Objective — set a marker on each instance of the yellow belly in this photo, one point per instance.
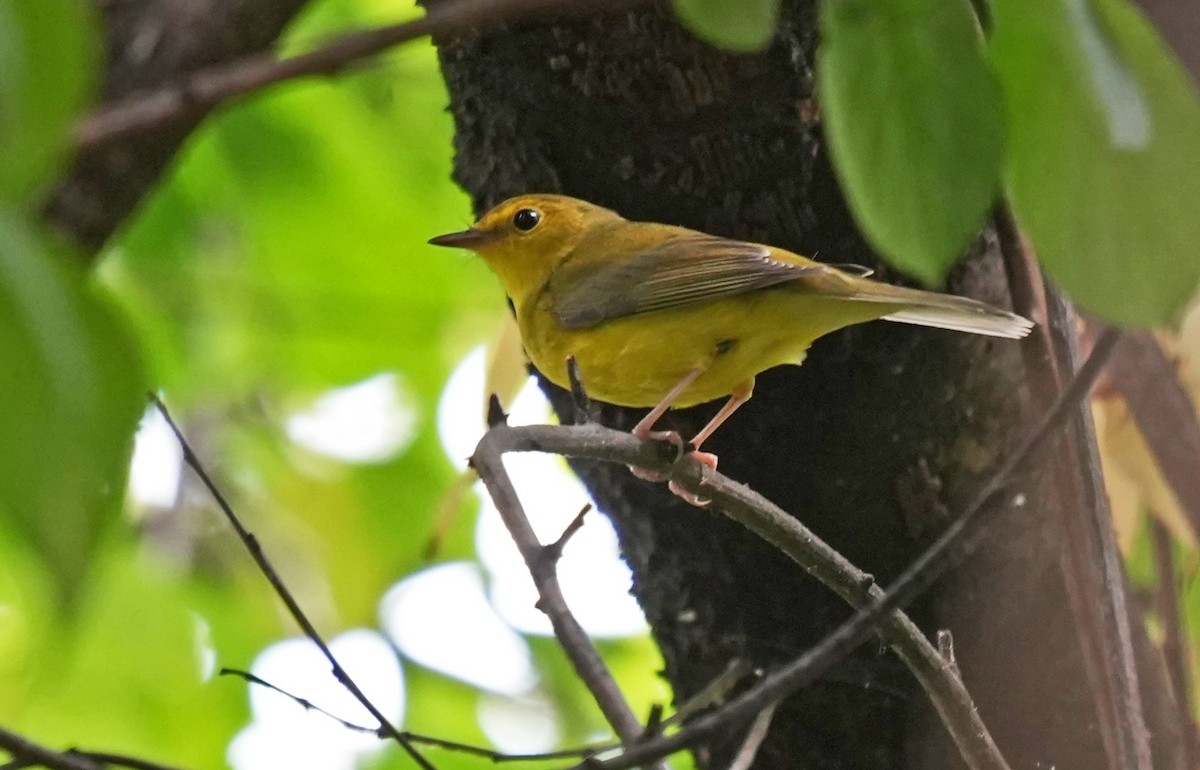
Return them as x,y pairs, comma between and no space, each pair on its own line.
635,361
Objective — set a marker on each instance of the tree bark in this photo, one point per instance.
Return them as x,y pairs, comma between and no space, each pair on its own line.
873,443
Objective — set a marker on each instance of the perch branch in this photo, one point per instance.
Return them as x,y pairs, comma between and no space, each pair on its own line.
386,728
542,562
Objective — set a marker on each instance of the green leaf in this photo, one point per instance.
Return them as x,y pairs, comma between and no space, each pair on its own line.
137,645
914,122
1104,154
70,395
49,57
744,26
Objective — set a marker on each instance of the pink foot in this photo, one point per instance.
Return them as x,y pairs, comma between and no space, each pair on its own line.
669,436
707,459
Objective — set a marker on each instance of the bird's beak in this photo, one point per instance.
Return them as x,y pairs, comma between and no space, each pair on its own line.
465,239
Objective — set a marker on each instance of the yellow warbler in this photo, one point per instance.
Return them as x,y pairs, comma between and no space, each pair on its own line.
663,316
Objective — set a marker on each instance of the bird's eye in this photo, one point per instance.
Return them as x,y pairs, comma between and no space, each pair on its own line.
526,219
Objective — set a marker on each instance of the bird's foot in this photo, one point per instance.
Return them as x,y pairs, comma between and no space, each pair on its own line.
709,461
671,437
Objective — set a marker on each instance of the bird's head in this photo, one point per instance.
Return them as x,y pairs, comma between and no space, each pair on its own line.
525,238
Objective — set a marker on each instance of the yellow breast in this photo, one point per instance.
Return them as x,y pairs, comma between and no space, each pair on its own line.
634,361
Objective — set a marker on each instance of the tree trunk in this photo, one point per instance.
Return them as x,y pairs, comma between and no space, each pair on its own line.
880,437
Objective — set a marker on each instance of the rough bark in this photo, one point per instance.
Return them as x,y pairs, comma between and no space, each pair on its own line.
872,443
150,42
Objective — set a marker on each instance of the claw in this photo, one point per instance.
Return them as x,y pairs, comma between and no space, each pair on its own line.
688,497
645,475
709,461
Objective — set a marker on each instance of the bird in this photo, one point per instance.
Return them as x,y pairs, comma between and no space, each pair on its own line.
662,316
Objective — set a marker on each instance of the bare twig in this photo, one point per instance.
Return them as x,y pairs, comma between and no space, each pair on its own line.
303,702
110,760
26,753
555,549
441,743
386,728
199,92
488,463
754,738
1175,644
768,521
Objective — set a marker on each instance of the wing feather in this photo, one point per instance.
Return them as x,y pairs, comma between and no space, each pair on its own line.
681,271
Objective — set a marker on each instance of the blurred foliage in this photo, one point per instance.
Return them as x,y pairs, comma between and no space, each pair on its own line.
1104,154
70,387
284,256
49,55
1101,151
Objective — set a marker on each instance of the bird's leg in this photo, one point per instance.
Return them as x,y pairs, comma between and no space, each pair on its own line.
645,426
741,394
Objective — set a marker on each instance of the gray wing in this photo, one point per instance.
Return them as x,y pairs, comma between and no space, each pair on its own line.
681,271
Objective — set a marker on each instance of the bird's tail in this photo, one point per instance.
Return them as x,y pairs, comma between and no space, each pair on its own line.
945,311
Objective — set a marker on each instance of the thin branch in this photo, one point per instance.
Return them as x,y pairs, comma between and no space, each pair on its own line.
555,549
108,759
441,743
199,92
303,702
541,562
386,728
754,738
1175,643
26,753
